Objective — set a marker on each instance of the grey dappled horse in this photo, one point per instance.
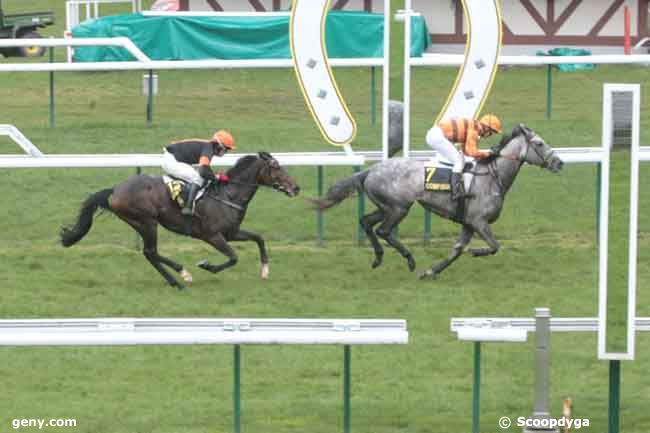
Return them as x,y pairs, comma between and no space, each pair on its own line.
395,184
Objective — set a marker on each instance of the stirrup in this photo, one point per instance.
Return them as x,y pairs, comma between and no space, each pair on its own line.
187,210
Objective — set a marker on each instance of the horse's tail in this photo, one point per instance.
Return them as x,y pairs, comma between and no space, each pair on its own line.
340,191
72,235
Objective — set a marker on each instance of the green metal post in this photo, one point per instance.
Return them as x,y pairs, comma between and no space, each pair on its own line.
549,91
427,226
52,89
476,395
614,395
150,99
373,96
346,389
319,215
236,396
361,206
599,173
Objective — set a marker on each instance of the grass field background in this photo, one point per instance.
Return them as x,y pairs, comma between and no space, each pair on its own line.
549,258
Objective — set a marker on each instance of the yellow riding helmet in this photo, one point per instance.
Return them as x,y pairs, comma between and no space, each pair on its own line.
492,122
224,138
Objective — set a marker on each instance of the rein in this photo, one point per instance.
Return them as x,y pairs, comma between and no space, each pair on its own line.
226,202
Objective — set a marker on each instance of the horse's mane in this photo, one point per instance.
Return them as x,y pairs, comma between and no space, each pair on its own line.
242,164
497,148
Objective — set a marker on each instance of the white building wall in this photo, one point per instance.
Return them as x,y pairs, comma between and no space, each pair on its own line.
518,19
615,26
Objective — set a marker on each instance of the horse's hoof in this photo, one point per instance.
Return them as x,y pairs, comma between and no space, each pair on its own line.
411,263
203,264
427,275
265,271
178,285
187,277
376,263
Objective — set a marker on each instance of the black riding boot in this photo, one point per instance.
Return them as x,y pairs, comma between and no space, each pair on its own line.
457,186
187,209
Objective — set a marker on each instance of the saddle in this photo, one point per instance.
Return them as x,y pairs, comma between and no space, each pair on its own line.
437,174
179,190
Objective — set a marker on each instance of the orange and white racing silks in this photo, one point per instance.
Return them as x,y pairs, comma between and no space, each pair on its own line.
466,133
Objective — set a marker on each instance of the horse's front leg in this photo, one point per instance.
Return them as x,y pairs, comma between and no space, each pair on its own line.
485,232
243,235
463,239
219,243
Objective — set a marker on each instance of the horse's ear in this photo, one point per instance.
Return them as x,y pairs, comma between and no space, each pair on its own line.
265,155
529,133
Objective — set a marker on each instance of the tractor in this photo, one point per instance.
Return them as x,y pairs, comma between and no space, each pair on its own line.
25,26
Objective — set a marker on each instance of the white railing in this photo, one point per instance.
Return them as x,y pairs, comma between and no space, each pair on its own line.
496,326
129,331
12,132
152,160
214,14
235,332
172,64
73,10
123,42
359,158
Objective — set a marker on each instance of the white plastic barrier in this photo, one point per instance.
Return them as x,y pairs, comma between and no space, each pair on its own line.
12,132
130,331
236,332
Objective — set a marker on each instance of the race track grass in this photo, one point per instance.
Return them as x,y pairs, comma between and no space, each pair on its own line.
548,259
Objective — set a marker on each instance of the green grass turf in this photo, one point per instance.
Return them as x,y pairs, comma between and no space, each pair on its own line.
549,258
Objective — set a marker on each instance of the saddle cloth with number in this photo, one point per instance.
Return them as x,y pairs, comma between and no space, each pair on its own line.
437,175
179,190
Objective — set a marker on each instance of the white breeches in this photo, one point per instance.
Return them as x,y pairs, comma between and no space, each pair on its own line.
180,169
437,141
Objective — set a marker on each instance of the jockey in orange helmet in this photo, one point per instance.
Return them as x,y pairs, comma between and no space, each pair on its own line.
467,133
179,156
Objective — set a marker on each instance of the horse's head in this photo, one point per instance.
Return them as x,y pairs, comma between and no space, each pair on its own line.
526,145
275,176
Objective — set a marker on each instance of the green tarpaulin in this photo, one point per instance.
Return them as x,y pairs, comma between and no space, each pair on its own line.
348,35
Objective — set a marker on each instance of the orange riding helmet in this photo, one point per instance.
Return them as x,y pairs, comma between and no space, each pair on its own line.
491,121
224,138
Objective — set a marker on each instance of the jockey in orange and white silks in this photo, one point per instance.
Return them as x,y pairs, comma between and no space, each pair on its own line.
467,133
179,157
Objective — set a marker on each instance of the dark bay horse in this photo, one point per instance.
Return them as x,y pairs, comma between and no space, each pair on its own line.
395,184
144,201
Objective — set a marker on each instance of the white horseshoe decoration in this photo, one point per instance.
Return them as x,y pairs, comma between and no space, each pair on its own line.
307,40
476,76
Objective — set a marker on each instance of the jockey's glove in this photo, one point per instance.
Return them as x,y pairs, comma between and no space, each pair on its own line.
222,178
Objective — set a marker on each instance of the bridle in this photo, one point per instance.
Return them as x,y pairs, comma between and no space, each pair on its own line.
275,186
523,155
521,158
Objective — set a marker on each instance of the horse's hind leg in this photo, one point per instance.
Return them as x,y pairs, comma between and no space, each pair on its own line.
463,239
149,233
368,222
385,231
219,242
